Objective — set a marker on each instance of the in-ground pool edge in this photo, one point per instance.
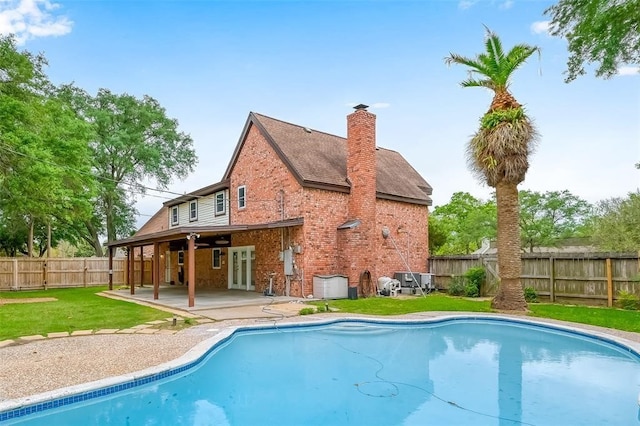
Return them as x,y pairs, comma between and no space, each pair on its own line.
15,408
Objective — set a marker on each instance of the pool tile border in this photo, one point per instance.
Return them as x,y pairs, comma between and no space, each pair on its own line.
14,409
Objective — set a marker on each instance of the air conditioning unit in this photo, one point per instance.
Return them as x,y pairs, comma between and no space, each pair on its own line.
408,279
427,281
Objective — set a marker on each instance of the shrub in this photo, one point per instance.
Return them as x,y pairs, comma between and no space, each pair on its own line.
628,301
475,278
471,290
530,295
457,286
307,311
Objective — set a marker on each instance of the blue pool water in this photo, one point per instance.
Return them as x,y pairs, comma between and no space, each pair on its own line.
454,372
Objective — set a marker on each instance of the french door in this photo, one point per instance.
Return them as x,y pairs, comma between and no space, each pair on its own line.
242,263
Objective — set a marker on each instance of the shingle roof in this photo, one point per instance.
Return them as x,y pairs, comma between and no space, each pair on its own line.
319,159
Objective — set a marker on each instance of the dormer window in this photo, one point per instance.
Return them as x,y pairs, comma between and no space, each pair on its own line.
242,197
174,215
220,207
193,210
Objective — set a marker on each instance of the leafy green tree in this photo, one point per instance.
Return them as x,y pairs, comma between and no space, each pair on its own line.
603,32
44,171
499,154
462,224
616,226
133,142
547,218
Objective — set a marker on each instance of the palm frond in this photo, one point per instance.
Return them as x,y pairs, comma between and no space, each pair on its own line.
471,82
493,46
518,55
463,60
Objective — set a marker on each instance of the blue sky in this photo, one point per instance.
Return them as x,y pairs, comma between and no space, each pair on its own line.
210,63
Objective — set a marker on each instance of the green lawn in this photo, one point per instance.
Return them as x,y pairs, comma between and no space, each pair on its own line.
603,317
75,309
82,309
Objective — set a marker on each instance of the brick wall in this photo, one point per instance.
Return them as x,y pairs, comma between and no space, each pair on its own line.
260,169
407,224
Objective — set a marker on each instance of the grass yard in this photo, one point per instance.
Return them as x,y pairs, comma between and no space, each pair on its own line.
603,317
74,309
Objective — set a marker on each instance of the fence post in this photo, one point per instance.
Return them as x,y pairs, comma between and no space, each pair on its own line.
45,277
15,274
552,279
609,283
84,272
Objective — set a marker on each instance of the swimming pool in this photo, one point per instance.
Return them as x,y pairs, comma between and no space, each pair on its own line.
481,371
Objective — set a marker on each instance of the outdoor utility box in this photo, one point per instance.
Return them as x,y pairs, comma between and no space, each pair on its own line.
408,279
330,287
426,280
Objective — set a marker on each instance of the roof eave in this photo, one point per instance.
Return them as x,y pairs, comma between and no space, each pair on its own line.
420,201
181,232
201,192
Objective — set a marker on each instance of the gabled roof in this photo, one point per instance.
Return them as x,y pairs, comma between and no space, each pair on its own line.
319,160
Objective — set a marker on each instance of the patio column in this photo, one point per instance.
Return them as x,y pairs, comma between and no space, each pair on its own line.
155,265
191,265
110,268
132,265
141,266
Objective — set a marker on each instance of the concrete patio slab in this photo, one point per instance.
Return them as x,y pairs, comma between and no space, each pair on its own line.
216,305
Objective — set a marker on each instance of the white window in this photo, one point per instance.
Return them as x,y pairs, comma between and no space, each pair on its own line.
216,258
174,215
181,257
193,210
242,197
220,204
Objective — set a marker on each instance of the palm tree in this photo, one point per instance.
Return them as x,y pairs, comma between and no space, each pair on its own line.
498,154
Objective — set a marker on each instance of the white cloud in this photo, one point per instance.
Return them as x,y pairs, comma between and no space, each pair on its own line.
629,71
29,19
466,4
507,4
541,27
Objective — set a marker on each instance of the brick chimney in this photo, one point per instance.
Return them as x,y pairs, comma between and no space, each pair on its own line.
361,163
361,241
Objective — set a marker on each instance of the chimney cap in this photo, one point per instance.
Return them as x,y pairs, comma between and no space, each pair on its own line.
361,106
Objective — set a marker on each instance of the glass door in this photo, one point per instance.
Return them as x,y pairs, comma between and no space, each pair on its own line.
242,268
167,266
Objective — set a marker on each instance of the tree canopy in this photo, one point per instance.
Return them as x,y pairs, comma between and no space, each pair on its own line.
602,32
616,226
45,174
460,226
133,141
74,162
546,218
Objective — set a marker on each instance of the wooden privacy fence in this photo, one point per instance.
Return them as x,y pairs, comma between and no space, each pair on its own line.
593,278
41,273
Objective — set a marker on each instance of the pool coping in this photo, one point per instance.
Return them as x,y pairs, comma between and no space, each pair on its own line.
16,408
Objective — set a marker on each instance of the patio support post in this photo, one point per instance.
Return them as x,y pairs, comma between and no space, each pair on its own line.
110,249
191,265
132,265
141,266
155,271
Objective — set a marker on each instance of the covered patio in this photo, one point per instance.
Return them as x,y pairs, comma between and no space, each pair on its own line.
192,237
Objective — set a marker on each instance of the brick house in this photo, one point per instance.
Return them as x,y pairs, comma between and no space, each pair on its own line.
293,203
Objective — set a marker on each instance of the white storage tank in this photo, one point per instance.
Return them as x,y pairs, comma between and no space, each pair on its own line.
330,287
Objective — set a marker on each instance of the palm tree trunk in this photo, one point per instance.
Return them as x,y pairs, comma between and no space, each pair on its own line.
510,295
